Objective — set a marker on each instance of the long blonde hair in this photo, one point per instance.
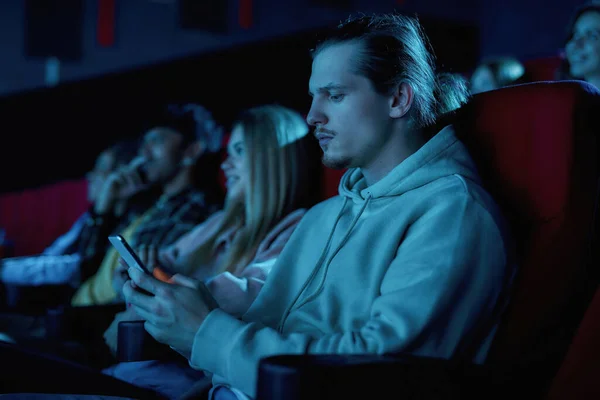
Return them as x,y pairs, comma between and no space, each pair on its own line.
279,157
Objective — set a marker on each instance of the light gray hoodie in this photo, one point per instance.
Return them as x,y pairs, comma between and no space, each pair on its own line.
419,263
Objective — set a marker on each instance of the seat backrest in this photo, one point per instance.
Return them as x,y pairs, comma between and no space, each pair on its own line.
535,147
331,181
34,218
543,69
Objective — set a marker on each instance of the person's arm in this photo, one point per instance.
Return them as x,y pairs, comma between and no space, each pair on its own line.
187,219
236,294
67,243
454,254
177,258
41,270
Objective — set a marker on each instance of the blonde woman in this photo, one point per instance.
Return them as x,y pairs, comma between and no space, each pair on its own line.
269,186
272,172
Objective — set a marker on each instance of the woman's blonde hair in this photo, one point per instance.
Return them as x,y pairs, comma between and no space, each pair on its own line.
279,157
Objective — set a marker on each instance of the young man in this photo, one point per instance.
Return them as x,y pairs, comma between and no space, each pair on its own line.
168,158
412,256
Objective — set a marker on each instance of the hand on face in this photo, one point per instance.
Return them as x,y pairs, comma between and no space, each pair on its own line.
175,311
121,185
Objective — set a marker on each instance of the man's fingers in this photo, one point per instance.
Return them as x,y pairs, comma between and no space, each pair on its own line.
137,299
145,314
144,281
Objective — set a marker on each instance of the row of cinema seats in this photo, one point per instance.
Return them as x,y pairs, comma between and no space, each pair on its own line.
536,147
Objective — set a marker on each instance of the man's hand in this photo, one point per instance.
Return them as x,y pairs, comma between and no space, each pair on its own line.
120,276
175,312
120,185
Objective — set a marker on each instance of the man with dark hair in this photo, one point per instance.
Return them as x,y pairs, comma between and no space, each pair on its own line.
167,159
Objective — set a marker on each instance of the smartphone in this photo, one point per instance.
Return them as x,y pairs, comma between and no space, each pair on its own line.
127,253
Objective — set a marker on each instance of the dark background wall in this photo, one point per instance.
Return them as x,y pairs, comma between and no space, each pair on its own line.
56,133
150,31
106,92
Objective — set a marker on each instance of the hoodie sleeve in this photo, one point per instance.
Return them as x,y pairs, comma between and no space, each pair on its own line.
448,272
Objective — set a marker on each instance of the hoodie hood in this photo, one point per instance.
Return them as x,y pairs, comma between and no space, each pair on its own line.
443,154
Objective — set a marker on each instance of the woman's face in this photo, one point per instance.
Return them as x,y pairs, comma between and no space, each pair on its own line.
583,49
236,166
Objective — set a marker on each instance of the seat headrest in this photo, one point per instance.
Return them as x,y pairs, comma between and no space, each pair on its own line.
523,138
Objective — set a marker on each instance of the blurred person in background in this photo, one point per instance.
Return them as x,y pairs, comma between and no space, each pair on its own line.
497,72
179,156
63,261
582,48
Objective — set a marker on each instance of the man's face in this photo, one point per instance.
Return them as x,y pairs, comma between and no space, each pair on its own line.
351,119
163,150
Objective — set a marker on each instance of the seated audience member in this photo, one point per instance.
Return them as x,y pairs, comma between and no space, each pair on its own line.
582,48
60,262
270,171
413,256
172,154
496,73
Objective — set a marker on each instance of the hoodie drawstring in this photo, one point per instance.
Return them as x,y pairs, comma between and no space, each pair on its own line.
317,268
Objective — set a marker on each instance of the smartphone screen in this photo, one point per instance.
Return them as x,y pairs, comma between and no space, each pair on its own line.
127,253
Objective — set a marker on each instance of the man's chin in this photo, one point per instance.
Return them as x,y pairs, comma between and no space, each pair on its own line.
335,163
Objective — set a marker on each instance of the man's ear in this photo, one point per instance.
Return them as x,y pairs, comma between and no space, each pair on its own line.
401,100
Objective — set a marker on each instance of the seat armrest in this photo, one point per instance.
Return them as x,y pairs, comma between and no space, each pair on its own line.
135,344
80,323
35,299
301,377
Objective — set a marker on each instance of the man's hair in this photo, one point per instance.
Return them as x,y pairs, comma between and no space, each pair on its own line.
395,50
194,122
